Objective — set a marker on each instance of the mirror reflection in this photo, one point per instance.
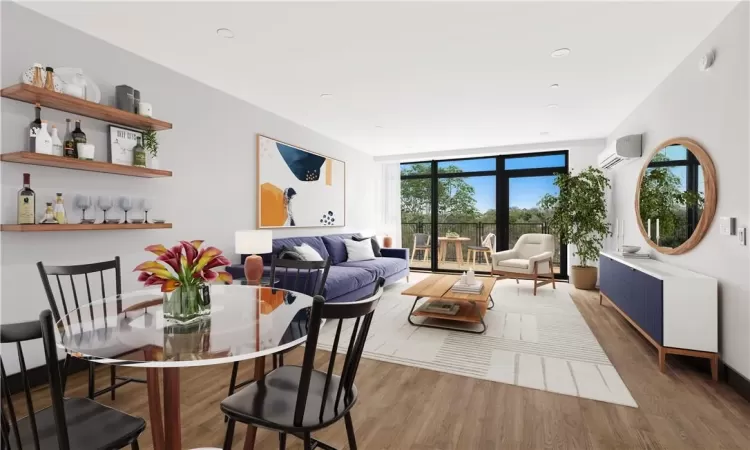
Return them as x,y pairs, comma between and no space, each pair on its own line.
672,196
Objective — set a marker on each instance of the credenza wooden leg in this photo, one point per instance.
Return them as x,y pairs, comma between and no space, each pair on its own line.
715,367
662,359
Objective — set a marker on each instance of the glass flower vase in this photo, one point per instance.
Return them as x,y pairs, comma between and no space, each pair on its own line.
187,304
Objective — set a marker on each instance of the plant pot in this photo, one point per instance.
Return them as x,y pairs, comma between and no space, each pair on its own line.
584,277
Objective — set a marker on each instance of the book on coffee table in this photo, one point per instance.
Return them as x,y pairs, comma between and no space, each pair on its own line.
439,307
474,288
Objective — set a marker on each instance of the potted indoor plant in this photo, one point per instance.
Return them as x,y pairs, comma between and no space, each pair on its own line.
151,145
578,214
183,272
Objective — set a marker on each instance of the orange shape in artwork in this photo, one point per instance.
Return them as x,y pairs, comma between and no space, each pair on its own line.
272,209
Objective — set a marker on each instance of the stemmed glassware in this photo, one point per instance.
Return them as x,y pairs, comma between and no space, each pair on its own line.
84,202
105,203
126,204
146,205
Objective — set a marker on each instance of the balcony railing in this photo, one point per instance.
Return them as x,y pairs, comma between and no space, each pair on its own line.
476,232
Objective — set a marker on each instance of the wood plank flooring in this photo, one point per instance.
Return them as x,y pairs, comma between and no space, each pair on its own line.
408,408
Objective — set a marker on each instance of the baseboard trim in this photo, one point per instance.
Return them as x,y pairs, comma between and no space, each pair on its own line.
38,375
737,381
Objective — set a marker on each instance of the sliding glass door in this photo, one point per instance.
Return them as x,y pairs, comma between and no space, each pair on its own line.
456,213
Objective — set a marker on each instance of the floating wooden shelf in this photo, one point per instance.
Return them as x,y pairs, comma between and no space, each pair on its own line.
31,94
39,159
86,227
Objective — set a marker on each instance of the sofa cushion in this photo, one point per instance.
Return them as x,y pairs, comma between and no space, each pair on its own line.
334,243
513,263
313,241
342,280
379,267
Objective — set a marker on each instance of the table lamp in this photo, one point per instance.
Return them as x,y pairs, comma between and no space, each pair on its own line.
253,242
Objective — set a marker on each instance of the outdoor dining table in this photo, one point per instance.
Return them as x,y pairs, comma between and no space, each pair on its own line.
457,242
245,322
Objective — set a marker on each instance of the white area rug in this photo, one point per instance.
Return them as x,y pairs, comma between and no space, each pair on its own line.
539,342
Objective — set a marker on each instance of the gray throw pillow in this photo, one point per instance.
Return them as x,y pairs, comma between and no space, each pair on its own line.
288,253
373,241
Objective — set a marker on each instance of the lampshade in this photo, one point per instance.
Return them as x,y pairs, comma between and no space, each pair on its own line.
253,242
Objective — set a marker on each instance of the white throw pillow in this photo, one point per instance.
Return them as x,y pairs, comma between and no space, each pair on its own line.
308,253
359,250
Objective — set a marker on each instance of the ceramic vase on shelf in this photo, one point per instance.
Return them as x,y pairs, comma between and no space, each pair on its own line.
153,162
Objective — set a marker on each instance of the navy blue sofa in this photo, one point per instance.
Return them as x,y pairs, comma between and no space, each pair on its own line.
347,281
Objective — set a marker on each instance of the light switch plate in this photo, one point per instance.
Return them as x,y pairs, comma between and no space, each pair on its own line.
742,232
727,226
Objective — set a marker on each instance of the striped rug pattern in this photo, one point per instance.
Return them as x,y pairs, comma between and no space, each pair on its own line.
538,342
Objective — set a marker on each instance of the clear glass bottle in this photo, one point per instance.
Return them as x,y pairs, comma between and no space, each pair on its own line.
60,209
49,215
49,82
26,203
139,154
37,79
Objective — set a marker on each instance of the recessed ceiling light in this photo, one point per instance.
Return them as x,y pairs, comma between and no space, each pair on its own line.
554,86
326,96
552,106
226,33
560,53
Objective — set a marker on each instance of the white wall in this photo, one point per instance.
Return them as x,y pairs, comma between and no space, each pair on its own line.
211,151
712,108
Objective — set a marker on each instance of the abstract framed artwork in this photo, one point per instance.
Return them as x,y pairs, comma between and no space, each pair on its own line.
299,188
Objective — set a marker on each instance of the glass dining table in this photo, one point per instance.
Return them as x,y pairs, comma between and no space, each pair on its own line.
246,322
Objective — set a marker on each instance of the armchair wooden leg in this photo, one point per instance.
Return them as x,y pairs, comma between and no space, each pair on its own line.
536,277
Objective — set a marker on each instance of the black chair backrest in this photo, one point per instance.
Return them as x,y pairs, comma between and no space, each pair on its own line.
362,311
306,277
69,304
18,333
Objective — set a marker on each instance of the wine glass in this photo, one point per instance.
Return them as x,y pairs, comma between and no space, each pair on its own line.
105,203
146,205
84,202
126,204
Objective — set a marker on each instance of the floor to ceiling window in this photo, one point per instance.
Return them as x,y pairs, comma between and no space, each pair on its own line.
455,213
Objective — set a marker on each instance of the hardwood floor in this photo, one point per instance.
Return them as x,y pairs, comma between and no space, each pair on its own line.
408,408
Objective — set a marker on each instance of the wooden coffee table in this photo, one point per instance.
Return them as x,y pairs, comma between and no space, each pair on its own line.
437,287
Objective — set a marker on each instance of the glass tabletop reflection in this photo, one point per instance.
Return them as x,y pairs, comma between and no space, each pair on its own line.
245,322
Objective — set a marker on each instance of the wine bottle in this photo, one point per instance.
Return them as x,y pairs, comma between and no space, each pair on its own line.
60,209
26,202
69,145
139,154
79,137
35,126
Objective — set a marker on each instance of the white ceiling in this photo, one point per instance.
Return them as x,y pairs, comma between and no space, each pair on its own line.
434,76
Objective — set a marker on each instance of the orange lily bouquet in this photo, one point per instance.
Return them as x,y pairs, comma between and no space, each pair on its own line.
183,272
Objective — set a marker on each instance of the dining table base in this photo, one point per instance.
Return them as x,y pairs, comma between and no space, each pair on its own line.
167,434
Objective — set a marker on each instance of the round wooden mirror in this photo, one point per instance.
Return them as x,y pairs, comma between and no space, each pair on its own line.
676,198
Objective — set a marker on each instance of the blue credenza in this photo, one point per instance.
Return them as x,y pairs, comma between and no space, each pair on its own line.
675,309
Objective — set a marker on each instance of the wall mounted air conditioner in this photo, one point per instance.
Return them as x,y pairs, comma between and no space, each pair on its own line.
621,150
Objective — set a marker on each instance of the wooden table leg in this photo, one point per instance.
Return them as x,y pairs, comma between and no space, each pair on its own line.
172,425
154,408
459,253
260,371
443,250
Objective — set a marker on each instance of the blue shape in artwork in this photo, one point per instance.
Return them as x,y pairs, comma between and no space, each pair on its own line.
304,165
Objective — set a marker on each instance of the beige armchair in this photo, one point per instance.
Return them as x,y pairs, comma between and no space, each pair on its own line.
530,259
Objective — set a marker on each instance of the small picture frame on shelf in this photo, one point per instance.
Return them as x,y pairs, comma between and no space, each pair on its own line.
121,143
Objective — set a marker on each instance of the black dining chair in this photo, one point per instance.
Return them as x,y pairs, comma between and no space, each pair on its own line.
72,302
70,423
300,400
305,277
